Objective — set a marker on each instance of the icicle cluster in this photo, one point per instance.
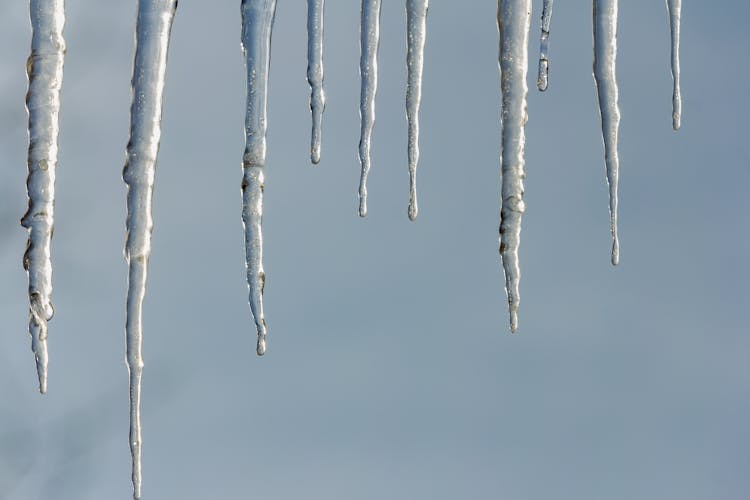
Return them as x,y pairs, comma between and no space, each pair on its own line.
153,27
45,73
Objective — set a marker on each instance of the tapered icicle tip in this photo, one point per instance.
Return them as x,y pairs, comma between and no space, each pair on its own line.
413,209
362,204
513,319
315,154
543,80
615,251
260,349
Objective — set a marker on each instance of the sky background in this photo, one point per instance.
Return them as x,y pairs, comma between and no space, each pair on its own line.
390,371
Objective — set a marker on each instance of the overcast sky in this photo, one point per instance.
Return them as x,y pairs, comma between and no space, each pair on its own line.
390,371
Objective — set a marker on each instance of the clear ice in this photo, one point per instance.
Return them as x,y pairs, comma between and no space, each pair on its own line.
673,8
513,22
542,81
368,69
257,25
45,73
605,54
315,73
153,27
416,26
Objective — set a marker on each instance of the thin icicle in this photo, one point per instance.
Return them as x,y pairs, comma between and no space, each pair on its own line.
257,25
416,26
368,69
543,79
513,23
315,73
153,27
673,8
605,54
45,72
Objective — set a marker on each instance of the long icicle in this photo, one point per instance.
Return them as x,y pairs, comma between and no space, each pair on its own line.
416,27
368,69
315,73
674,8
45,72
605,54
513,23
153,27
542,81
257,25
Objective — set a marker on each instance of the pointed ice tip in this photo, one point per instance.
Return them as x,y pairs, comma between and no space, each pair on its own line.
513,321
675,123
42,385
261,347
413,210
615,252
315,156
362,209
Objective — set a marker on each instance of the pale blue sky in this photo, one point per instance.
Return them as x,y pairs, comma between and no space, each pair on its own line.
390,371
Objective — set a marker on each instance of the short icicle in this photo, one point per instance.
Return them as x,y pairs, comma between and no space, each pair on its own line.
542,81
368,69
153,27
416,27
605,54
257,25
45,73
315,73
673,9
513,22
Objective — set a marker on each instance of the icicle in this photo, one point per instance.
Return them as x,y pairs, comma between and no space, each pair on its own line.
153,27
673,8
416,20
605,53
315,73
543,79
368,68
257,24
513,23
45,72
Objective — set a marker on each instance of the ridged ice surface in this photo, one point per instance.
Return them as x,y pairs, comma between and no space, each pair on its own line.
45,72
674,8
368,69
513,22
153,27
257,25
416,27
315,73
542,81
605,54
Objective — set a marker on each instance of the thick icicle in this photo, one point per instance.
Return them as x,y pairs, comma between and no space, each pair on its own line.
368,69
543,79
605,54
315,73
416,21
257,25
153,27
513,23
45,72
673,8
